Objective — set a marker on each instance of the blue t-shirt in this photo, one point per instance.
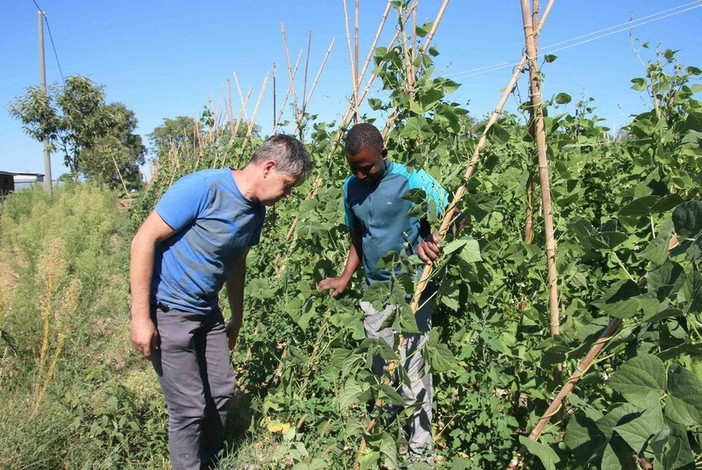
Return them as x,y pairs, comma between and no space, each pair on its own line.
380,213
214,223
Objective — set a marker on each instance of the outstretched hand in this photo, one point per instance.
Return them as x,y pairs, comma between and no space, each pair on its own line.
336,284
429,249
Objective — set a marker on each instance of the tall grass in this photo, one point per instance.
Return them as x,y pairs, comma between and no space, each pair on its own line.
69,394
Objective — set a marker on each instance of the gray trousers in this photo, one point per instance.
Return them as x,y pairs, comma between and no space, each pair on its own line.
197,380
420,389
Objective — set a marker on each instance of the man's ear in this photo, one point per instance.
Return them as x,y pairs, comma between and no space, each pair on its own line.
268,166
384,153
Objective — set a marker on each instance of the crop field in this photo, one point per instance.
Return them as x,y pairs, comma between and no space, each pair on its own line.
567,332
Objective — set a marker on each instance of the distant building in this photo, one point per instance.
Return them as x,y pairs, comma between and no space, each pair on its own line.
7,182
14,181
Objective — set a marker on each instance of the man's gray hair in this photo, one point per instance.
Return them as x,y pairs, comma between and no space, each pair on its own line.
287,152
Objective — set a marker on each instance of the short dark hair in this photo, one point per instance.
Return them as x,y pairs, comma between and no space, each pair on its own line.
289,154
362,136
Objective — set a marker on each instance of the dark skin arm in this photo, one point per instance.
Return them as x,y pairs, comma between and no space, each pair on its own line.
339,284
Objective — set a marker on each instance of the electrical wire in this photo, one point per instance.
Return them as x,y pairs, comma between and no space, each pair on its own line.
51,39
550,48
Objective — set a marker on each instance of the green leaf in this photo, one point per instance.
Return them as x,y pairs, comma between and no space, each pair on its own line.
584,439
640,380
687,218
619,415
637,432
639,84
545,453
471,252
619,300
657,250
684,402
666,280
563,98
548,58
389,395
639,207
454,245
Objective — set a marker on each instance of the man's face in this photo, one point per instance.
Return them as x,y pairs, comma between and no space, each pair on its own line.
277,185
368,165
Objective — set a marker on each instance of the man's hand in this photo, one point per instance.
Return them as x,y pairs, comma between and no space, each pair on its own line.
429,250
337,284
232,334
144,336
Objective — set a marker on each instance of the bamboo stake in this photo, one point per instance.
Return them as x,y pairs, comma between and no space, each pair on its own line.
307,66
540,135
529,226
275,108
355,58
584,365
354,96
242,112
319,73
425,48
258,106
230,110
296,111
446,222
241,98
369,57
291,85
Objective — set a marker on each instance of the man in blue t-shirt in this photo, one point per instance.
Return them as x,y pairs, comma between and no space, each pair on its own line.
192,244
377,215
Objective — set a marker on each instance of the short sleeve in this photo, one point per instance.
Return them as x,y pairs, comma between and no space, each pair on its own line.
183,201
256,235
434,191
348,215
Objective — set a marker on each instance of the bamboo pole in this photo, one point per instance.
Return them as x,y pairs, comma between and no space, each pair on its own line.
425,48
319,73
275,106
354,95
242,111
584,365
291,85
296,110
307,67
446,222
256,109
540,136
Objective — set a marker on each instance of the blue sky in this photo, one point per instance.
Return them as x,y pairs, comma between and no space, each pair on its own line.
168,58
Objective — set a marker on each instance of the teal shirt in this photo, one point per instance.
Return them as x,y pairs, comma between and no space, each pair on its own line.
380,214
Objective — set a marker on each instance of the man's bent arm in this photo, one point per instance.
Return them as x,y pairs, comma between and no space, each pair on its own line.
353,260
235,295
141,266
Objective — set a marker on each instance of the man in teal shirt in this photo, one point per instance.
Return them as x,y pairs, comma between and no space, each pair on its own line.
377,214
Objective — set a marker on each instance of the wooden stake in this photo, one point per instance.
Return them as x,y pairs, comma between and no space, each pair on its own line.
540,136
252,123
319,73
296,110
354,96
570,384
275,108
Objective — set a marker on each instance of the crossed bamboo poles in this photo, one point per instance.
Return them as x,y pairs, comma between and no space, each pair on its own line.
532,28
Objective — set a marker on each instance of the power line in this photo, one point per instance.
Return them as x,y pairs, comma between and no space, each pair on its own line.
51,38
550,48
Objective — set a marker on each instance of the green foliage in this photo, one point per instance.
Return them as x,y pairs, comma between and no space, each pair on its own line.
97,139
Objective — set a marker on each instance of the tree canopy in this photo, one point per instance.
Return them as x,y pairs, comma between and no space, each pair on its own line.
97,139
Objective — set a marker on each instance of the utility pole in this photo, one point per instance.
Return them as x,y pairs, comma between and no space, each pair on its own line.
42,76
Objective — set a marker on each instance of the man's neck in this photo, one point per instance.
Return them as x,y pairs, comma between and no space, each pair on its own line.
245,181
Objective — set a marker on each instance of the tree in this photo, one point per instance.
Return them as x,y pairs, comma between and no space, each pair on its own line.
97,139
185,134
